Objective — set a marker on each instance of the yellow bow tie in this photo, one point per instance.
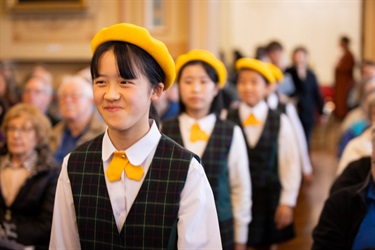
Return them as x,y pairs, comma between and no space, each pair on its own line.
196,134
119,163
251,120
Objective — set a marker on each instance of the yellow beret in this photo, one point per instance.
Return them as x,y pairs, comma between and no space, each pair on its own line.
207,57
256,65
139,36
277,73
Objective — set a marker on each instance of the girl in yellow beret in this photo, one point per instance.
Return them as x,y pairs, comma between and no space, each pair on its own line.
273,156
220,144
132,187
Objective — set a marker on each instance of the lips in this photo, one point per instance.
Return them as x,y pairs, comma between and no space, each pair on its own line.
112,108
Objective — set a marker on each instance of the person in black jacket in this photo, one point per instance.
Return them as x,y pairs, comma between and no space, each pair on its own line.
347,219
307,94
28,177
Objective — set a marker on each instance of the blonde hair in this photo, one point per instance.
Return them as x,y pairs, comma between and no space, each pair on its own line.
40,122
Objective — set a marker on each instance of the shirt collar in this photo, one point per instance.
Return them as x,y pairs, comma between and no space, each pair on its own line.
259,110
272,100
28,164
205,123
139,151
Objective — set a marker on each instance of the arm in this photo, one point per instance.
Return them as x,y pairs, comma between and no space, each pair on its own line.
240,185
300,138
289,171
198,225
64,234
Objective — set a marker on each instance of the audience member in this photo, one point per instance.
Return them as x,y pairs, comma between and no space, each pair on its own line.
219,143
347,218
358,130
273,157
38,91
344,79
167,105
307,94
80,122
28,177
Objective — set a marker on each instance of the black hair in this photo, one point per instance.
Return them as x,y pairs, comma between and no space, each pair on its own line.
131,60
300,49
217,103
345,40
274,45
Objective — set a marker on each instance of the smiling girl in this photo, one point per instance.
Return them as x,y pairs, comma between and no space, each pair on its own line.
132,187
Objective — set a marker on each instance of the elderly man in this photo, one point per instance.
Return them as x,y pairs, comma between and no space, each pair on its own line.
347,219
38,92
80,122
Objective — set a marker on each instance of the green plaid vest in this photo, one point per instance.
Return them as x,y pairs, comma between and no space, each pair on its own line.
281,107
263,157
215,164
152,219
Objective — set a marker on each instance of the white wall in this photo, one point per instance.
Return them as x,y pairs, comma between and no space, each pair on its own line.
316,24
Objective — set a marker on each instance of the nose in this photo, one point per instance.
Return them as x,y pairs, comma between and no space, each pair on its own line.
196,86
112,93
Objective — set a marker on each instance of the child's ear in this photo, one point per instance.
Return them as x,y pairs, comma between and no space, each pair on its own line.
157,90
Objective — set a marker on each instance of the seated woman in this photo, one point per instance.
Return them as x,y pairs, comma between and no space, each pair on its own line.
28,177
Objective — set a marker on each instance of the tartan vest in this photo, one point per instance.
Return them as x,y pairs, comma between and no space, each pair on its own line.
263,157
152,219
281,107
214,161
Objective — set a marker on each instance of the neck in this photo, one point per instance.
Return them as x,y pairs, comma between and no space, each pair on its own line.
197,114
18,159
123,139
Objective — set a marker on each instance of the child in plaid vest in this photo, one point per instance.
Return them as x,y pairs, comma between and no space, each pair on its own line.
273,156
220,144
132,187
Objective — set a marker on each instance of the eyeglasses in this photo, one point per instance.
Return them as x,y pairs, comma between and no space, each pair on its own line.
22,130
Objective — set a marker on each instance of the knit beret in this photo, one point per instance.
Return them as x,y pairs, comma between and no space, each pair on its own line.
207,57
276,72
256,65
139,36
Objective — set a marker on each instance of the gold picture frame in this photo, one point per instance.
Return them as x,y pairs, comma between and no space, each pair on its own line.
27,6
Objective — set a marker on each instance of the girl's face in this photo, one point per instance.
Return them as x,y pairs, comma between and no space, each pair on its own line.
251,87
197,90
123,103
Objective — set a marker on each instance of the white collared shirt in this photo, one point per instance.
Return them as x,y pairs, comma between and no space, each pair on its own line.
292,114
238,168
198,226
288,160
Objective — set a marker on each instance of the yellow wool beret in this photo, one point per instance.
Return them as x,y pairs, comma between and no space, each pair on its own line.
277,73
256,65
139,36
207,57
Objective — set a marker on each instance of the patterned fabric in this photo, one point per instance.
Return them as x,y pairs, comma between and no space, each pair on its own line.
266,186
281,107
215,164
152,219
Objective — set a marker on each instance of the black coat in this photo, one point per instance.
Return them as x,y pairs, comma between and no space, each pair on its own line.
30,215
342,214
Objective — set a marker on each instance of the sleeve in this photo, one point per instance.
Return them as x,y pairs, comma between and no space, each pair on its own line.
300,138
198,225
289,170
240,185
37,229
329,232
64,233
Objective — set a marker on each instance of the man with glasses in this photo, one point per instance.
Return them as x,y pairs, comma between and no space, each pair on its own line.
80,122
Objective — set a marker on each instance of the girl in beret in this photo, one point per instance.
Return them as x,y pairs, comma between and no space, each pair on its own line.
132,187
273,156
220,144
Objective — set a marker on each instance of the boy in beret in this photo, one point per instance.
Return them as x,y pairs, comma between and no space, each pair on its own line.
273,156
132,187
